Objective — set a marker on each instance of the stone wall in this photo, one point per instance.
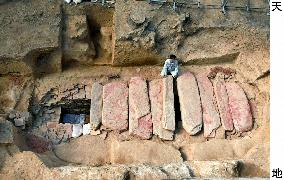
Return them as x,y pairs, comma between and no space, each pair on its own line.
211,102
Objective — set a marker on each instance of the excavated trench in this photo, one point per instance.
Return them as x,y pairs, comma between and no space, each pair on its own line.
101,56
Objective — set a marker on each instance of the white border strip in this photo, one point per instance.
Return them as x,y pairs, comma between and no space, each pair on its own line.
277,90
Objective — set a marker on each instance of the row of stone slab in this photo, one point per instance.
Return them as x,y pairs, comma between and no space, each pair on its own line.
150,110
212,104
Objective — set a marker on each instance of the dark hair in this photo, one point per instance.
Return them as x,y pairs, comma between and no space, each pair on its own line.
172,56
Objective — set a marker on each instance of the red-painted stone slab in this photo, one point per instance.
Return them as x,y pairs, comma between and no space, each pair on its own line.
239,106
140,120
211,119
223,104
115,106
190,105
168,120
156,99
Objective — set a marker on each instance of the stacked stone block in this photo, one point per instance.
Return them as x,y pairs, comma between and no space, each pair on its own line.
115,106
222,103
156,98
144,109
140,119
189,99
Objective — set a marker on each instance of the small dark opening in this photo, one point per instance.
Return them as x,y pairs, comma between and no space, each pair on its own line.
75,111
176,102
94,28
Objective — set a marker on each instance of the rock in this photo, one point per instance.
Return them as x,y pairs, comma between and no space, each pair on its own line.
148,152
147,172
223,104
57,133
177,170
19,122
86,129
6,132
87,150
140,120
115,106
96,105
168,120
20,118
239,107
77,130
156,99
55,117
221,169
210,116
137,18
84,172
120,172
190,105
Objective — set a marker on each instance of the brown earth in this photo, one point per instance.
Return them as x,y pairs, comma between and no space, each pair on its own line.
47,47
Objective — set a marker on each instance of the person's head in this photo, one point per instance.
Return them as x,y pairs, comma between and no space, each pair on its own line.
172,56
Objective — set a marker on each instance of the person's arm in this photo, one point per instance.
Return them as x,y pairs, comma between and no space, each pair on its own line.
176,71
164,70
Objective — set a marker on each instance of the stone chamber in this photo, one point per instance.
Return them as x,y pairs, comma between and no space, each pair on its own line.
81,96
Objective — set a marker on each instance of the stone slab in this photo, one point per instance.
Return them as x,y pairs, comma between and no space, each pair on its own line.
57,132
168,120
223,104
190,104
6,132
211,119
96,105
239,106
115,106
156,99
140,120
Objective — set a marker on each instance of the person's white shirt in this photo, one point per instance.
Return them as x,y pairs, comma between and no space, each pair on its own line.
170,66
